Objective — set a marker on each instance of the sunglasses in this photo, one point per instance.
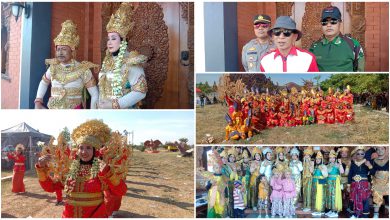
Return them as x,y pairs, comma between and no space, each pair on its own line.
258,25
360,154
286,32
332,22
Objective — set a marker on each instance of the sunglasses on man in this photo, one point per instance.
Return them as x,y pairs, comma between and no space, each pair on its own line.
286,32
263,25
332,22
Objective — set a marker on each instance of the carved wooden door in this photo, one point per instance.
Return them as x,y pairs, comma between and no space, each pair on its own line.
307,15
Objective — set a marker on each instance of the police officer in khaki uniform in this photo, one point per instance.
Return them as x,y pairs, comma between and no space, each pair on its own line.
256,48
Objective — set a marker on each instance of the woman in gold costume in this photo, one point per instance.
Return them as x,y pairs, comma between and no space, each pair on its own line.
122,82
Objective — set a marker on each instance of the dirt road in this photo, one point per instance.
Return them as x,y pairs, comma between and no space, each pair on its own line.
159,185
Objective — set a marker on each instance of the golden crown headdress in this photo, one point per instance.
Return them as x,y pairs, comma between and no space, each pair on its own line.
255,151
94,133
294,90
332,153
20,146
68,35
279,149
319,155
232,151
224,153
120,22
330,91
308,151
344,149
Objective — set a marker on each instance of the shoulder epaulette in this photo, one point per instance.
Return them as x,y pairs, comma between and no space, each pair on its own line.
87,65
51,61
135,58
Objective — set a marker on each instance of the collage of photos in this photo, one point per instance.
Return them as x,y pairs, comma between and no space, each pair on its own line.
108,110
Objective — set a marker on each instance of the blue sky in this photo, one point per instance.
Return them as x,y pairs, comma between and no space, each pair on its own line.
147,124
282,79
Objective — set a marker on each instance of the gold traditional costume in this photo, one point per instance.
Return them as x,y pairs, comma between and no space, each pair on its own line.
85,183
68,80
122,79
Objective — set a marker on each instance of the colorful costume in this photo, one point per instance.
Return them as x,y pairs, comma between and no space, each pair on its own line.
266,165
318,188
277,193
19,169
263,197
229,170
254,179
307,179
333,195
68,80
358,179
289,195
122,79
380,181
84,184
296,169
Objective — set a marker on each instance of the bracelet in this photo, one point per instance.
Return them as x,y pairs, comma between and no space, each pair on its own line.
115,104
38,100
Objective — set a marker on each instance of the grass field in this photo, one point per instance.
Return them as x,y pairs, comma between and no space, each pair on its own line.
369,127
159,185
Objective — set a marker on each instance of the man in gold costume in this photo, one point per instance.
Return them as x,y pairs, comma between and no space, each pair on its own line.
67,77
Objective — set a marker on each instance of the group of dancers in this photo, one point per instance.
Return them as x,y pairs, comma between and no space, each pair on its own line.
254,111
276,181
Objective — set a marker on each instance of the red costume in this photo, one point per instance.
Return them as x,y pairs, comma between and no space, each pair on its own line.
340,115
86,198
18,175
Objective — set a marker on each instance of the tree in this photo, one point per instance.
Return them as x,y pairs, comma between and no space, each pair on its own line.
317,79
66,133
183,140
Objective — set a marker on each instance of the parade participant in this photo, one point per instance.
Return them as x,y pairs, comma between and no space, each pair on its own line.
380,179
333,192
231,130
320,174
283,117
347,96
321,118
254,179
329,111
122,82
346,162
253,51
289,194
263,196
287,57
245,174
358,183
281,159
229,170
267,164
67,77
311,113
339,113
307,179
277,193
296,169
19,169
216,201
88,176
348,112
246,129
238,197
335,51
272,117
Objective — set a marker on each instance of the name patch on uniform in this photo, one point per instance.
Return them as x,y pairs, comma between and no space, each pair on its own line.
250,53
252,48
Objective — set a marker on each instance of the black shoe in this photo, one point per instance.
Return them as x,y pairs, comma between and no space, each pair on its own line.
59,203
